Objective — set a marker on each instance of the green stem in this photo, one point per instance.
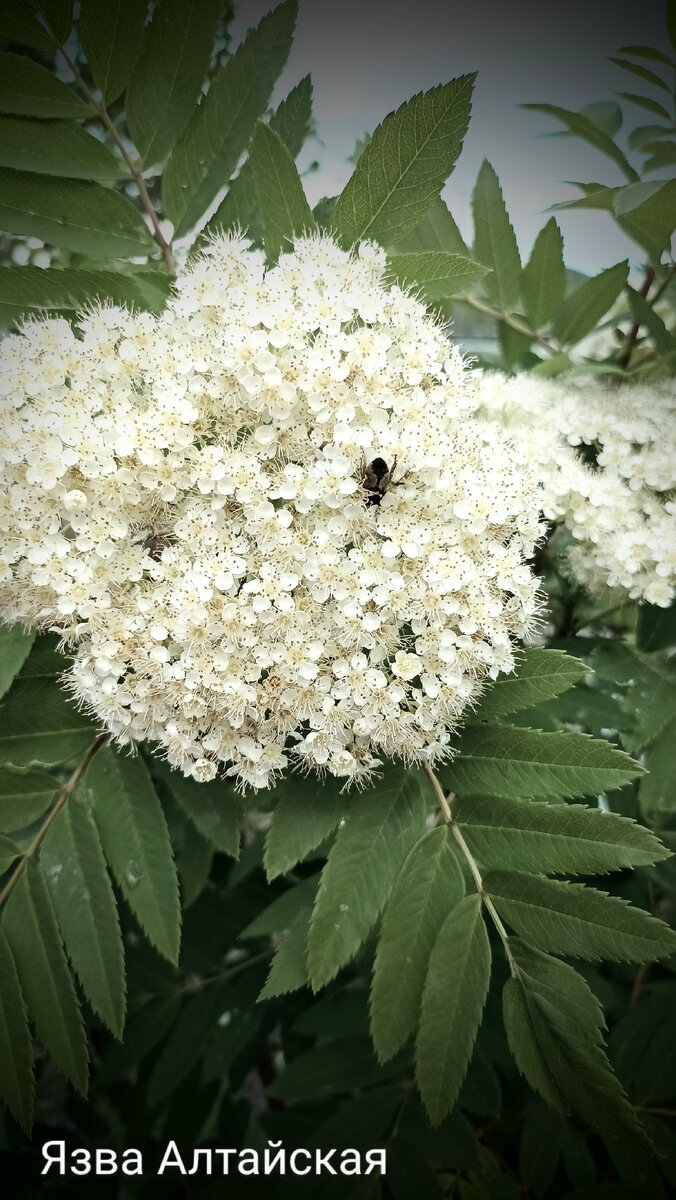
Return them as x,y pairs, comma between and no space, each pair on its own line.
513,322
59,801
445,807
230,972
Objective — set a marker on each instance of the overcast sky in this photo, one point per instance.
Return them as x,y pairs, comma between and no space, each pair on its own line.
367,56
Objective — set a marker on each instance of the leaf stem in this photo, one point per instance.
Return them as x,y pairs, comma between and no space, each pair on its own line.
445,807
513,322
630,340
136,175
59,801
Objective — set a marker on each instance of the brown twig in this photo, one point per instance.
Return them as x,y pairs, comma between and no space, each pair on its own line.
632,335
59,800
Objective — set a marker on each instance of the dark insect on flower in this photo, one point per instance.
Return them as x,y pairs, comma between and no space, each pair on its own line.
377,478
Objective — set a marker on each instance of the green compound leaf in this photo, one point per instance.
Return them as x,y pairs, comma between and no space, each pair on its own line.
553,1024
60,148
288,970
167,81
428,886
79,215
435,273
136,844
16,1052
75,869
455,992
29,90
543,282
306,813
581,311
33,934
494,239
404,166
24,796
519,763
282,203
370,846
15,646
569,839
214,808
37,291
569,918
205,157
39,725
110,33
581,125
538,676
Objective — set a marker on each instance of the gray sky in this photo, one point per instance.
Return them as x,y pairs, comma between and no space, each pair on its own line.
367,56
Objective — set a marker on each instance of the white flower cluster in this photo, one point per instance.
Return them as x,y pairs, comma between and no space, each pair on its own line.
606,455
194,501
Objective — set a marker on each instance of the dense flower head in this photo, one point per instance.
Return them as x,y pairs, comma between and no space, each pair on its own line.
606,456
191,501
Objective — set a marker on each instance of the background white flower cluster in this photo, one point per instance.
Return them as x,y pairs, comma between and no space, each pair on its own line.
606,457
184,501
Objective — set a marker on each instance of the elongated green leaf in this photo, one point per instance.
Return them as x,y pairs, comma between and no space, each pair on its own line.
583,128
214,808
33,934
428,886
110,34
436,273
646,133
566,839
649,209
539,675
288,970
305,814
292,121
642,72
19,23
195,1027
524,762
135,841
75,869
283,911
436,231
169,74
648,52
404,166
649,692
455,992
16,1053
553,1024
9,852
494,239
657,789
370,847
57,15
205,157
15,646
647,103
282,203
581,311
38,724
37,291
73,213
55,148
644,315
29,90
194,856
24,796
569,918
328,1069
543,283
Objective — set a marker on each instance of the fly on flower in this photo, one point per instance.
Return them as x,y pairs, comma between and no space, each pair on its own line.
377,479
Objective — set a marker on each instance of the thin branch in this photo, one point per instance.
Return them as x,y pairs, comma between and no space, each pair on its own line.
136,175
445,807
513,322
632,334
59,801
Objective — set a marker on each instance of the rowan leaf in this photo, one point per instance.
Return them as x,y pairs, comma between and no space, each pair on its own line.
30,90
494,239
288,970
282,203
214,808
427,887
404,166
15,646
136,844
543,282
30,925
581,125
435,273
371,844
24,796
581,311
16,1052
110,33
306,813
60,148
75,870
39,291
565,839
39,725
538,676
569,918
455,991
517,763
284,909
437,230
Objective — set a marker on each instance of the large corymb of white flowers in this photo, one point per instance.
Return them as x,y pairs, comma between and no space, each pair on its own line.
606,456
188,499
